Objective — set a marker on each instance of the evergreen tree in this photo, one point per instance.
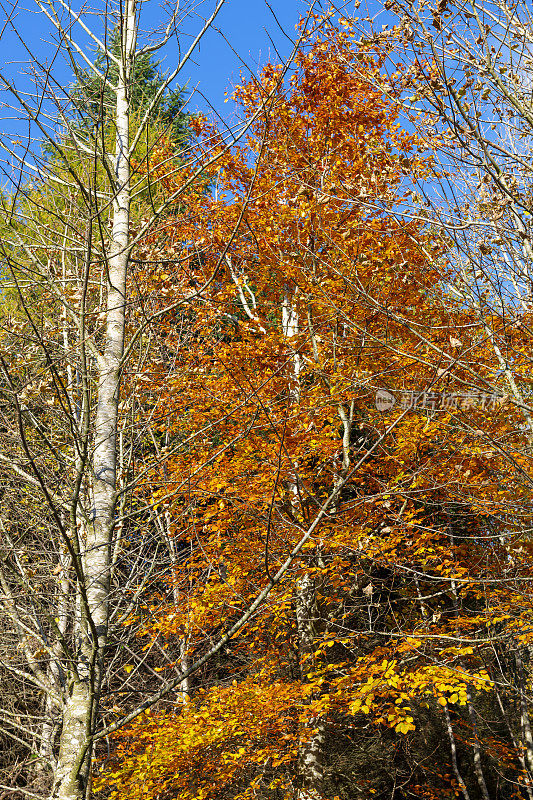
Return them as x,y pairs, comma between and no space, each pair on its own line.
93,99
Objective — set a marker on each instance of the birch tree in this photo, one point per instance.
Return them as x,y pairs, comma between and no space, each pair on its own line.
66,242
81,207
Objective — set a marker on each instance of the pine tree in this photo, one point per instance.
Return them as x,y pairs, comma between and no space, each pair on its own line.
93,98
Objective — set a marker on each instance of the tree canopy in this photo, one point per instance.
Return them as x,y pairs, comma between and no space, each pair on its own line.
92,94
265,428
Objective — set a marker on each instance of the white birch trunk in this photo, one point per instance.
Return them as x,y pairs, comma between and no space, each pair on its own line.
311,754
185,687
72,779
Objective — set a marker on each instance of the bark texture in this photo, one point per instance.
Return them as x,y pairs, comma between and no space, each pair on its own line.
311,755
71,781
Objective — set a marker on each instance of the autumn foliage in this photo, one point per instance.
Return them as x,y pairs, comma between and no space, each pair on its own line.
383,657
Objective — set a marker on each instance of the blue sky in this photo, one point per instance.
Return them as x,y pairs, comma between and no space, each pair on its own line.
249,28
246,35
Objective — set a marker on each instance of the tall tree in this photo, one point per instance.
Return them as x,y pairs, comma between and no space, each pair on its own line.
80,548
68,229
93,98
368,667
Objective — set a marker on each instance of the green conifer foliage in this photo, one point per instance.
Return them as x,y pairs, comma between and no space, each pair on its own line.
93,98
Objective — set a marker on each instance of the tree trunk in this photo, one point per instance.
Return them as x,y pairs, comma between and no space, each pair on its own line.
72,772
310,757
